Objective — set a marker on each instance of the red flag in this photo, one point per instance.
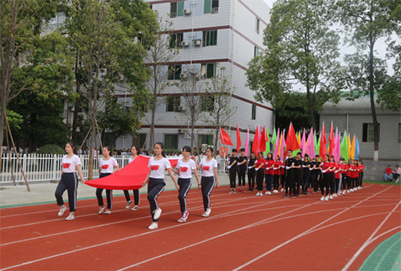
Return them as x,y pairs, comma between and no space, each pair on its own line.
256,145
331,140
238,139
263,140
292,141
225,139
323,142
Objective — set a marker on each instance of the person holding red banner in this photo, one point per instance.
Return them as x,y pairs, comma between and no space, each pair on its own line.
260,173
209,179
233,170
185,167
269,172
107,166
155,179
134,154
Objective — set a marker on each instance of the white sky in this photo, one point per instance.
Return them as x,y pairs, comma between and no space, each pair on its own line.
380,47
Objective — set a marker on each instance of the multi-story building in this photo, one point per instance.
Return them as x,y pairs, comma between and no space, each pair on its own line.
222,33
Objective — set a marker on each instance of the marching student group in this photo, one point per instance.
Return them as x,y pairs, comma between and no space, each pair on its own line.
294,176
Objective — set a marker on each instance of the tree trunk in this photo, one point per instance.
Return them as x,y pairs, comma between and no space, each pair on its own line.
152,123
91,154
310,105
372,104
3,111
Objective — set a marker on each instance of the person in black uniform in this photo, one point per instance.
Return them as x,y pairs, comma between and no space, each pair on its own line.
289,172
242,159
297,174
233,170
305,174
317,173
251,172
311,180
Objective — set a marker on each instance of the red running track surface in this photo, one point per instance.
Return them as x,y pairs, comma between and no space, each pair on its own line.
244,232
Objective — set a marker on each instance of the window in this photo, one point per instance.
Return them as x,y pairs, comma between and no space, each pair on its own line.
368,132
171,142
399,133
208,70
255,51
176,9
209,38
253,117
58,21
207,104
174,72
257,25
211,6
175,40
205,139
172,104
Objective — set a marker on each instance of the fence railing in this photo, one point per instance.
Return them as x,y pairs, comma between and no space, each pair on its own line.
47,167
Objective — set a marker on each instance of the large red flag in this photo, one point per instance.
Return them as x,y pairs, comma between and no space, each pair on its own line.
331,140
323,142
238,139
256,145
263,140
225,139
292,141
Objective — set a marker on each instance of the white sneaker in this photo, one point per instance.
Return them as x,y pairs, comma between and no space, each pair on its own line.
135,208
348,191
267,193
326,198
62,210
207,213
182,220
282,189
153,226
322,198
107,212
359,188
334,195
70,217
128,204
102,209
331,197
257,194
158,212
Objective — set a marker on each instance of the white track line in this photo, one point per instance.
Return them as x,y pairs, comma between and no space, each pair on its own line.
367,242
305,232
384,233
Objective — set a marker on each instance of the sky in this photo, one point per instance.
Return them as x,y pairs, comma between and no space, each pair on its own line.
380,47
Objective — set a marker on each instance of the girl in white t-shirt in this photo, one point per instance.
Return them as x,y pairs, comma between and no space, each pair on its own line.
134,154
209,174
155,179
185,167
107,166
69,180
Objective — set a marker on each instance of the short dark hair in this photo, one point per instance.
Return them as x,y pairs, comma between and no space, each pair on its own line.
234,150
187,148
242,149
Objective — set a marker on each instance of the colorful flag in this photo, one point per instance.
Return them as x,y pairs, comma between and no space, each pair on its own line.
303,144
225,138
315,142
282,145
323,142
291,141
310,148
247,143
344,147
263,140
267,150
331,140
353,148
274,136
256,145
336,148
349,146
357,149
276,144
238,139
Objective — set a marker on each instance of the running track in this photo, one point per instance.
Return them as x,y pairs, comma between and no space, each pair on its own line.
244,232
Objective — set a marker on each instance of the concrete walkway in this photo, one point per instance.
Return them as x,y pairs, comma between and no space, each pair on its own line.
12,196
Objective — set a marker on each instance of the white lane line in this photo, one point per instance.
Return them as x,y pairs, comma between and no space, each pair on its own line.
367,242
305,232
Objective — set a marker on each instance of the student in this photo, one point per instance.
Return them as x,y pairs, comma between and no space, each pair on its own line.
276,174
209,179
269,172
344,167
361,168
233,170
389,174
242,159
155,179
337,179
331,177
305,174
396,173
134,154
354,175
289,167
69,180
260,173
251,172
283,178
107,166
297,174
185,167
317,173
324,182
348,175
311,179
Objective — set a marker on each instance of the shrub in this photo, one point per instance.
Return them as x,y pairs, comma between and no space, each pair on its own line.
51,149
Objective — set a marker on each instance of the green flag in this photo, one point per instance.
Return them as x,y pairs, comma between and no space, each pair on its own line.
317,146
274,136
267,143
344,147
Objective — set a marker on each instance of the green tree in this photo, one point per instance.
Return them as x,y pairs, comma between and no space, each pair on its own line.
301,50
365,22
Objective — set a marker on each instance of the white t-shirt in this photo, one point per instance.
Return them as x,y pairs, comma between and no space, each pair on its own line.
70,165
208,167
107,166
157,168
186,168
130,159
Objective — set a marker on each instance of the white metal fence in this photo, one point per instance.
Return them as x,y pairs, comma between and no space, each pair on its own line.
47,167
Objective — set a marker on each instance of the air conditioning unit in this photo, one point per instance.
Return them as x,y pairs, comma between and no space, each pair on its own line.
186,11
184,43
182,108
183,76
197,42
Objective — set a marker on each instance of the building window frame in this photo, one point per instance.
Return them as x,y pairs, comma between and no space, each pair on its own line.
368,132
171,141
176,9
173,104
210,6
253,112
174,72
208,70
209,38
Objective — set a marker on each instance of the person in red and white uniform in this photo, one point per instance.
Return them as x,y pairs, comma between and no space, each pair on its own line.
69,181
185,167
107,166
